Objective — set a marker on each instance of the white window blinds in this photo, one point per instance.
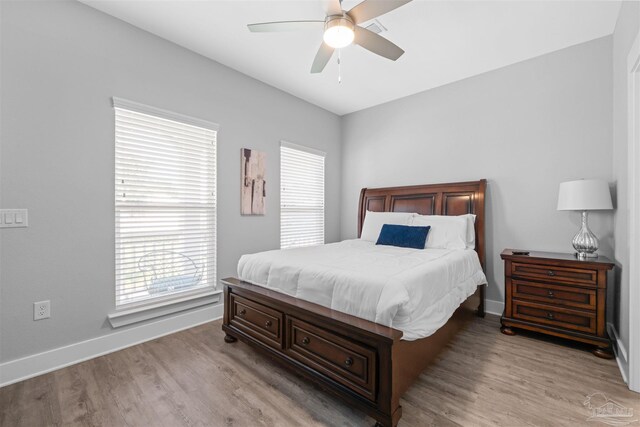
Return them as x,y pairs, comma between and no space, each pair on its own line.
165,203
301,196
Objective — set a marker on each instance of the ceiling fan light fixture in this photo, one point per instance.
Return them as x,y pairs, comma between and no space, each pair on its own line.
338,32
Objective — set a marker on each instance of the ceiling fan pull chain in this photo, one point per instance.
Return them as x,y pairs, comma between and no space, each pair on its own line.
339,67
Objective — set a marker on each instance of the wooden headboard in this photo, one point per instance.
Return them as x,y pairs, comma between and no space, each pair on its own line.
457,198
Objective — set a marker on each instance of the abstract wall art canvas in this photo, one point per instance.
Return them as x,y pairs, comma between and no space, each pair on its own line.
253,185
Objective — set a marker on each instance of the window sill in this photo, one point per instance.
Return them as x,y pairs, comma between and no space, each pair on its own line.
128,316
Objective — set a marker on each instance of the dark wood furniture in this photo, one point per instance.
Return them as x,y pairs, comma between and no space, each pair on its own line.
364,363
557,294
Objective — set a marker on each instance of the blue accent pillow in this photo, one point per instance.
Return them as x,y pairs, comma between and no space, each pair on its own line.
404,236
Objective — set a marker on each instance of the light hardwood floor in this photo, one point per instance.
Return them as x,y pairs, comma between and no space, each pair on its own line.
192,378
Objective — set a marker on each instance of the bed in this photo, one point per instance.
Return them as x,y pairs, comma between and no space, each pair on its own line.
362,358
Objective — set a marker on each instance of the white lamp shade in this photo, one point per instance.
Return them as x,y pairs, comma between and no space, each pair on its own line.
584,195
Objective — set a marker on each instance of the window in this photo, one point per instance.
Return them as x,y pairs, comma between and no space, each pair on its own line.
165,203
301,196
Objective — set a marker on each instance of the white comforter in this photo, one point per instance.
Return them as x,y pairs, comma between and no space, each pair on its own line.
415,291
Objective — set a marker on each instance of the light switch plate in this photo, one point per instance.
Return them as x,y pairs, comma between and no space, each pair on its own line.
14,218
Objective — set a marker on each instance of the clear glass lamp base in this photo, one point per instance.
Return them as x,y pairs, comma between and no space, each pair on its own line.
585,242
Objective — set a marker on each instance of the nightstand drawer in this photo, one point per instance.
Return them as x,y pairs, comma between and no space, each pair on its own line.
550,273
582,321
560,295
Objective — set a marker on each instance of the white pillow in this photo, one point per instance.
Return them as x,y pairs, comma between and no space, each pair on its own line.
447,232
471,230
373,222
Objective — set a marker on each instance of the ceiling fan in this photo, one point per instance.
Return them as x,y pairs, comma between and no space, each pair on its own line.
341,29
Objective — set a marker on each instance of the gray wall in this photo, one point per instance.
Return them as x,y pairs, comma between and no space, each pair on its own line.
61,64
626,30
526,128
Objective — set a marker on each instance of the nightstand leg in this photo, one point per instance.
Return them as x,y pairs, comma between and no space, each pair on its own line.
229,339
603,352
507,331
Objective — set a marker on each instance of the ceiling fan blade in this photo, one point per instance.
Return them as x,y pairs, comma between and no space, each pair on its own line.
332,7
270,27
322,57
377,44
370,9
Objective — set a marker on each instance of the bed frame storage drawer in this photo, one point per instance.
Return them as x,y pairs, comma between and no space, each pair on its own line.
550,273
346,362
568,296
256,320
565,318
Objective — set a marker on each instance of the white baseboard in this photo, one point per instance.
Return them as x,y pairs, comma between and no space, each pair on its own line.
620,351
613,333
494,307
622,367
51,360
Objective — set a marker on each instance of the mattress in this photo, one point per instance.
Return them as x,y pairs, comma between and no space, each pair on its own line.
413,290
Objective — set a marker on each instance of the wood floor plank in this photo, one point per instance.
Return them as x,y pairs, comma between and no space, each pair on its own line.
194,379
9,404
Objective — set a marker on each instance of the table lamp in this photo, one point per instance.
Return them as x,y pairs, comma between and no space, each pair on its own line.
585,195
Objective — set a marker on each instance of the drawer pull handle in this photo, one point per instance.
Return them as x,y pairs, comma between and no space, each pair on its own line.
305,341
267,324
242,312
551,273
551,294
550,316
349,361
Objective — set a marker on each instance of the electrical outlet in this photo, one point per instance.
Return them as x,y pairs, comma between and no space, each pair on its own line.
41,310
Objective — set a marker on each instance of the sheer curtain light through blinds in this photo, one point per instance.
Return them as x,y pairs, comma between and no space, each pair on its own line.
301,196
165,203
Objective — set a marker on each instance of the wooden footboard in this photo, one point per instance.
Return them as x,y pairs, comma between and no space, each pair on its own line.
363,362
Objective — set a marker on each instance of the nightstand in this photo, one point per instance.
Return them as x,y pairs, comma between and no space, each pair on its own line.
557,294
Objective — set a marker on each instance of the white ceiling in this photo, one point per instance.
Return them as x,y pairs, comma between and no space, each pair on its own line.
444,41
